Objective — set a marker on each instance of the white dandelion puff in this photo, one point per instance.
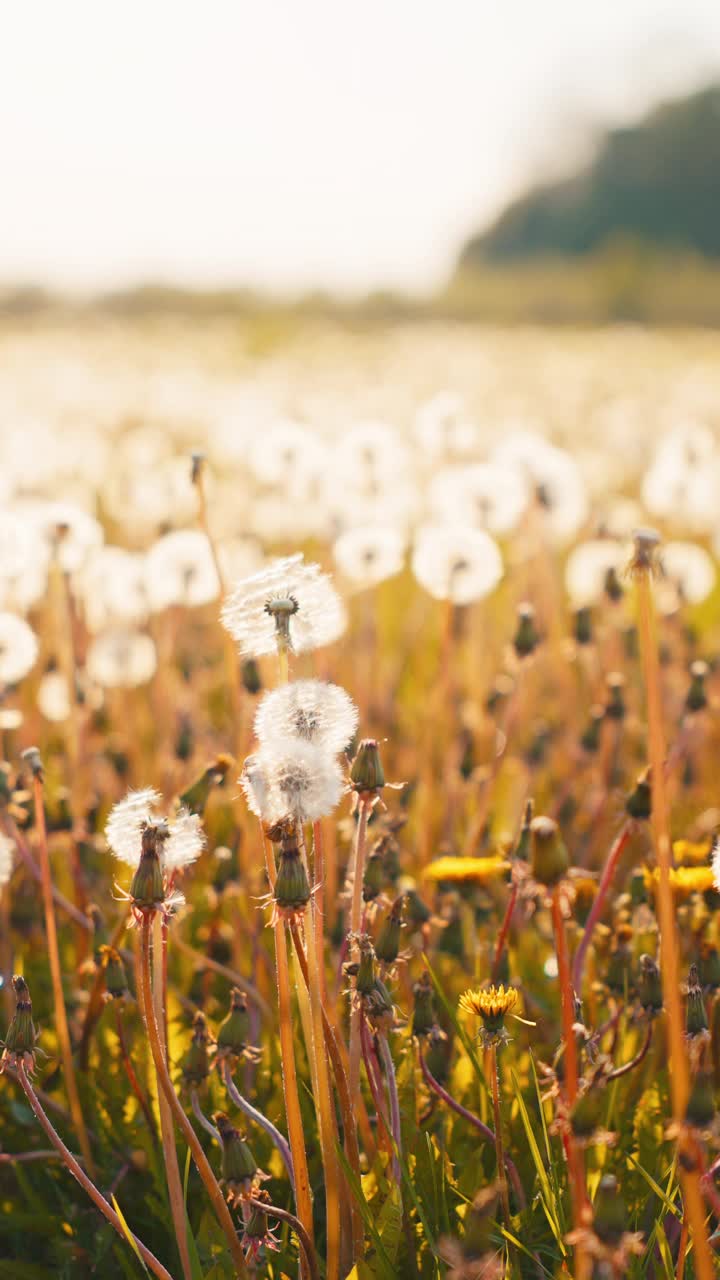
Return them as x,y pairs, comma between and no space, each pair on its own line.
369,555
487,494
180,569
113,589
70,533
288,602
688,575
18,648
53,697
184,842
7,851
555,477
299,781
456,563
121,659
588,565
308,711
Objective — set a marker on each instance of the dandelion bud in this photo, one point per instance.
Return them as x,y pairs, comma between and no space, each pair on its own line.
527,638
619,972
612,585
695,1017
115,977
195,1064
196,796
379,1008
639,803
238,1163
700,1110
609,1211
696,699
256,1226
416,911
365,975
549,857
292,887
32,758
650,985
233,1032
423,1018
387,943
645,552
374,877
585,893
438,1054
590,737
250,676
147,889
366,773
615,704
586,1113
21,1036
583,625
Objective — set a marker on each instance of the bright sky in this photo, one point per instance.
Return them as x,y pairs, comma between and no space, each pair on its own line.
290,144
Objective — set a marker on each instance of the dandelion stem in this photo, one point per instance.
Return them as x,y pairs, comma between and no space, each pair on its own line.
371,1068
504,931
634,1062
660,821
364,807
202,1119
499,1154
61,1021
80,1176
389,1068
567,1006
165,1084
606,879
306,1243
257,1116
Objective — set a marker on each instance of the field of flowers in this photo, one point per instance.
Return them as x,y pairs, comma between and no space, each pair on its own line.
359,698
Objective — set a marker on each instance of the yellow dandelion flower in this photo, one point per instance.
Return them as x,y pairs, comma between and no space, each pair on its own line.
684,880
489,1003
467,870
692,853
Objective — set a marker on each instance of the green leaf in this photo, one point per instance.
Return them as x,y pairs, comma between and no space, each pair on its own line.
548,1197
129,1235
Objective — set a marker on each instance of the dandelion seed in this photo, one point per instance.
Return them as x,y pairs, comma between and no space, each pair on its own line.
287,604
310,711
456,563
121,659
300,781
18,648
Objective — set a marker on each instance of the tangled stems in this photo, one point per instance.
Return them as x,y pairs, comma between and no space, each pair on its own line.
305,1242
692,1194
606,880
165,1084
61,1021
78,1173
483,1129
262,1121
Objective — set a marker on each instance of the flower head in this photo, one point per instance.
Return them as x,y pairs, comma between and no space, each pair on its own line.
121,659
288,604
19,1046
453,870
299,781
181,845
369,554
18,648
456,563
311,711
492,1004
180,569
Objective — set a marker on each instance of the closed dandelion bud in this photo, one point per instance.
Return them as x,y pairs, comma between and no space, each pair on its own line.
586,1113
639,803
365,975
391,860
696,699
700,1110
609,1211
615,703
590,737
612,585
185,739
498,695
423,1018
20,1036
417,912
583,625
550,861
238,1162
233,1032
619,972
527,638
695,1017
379,1007
387,943
147,888
115,976
256,1226
250,676
195,798
292,887
195,1065
585,894
366,773
650,985
438,1054
374,877
710,966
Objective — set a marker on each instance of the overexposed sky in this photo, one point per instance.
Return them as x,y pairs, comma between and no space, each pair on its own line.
292,144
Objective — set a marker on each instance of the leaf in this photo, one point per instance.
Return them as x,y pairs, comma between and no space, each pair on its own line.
548,1197
129,1235
389,1223
195,1265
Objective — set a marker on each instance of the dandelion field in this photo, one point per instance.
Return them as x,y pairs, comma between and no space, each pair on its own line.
357,815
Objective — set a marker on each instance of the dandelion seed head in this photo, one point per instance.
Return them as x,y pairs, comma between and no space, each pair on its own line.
307,710
488,495
588,565
555,477
18,648
688,574
68,532
185,842
456,563
180,569
299,781
53,697
300,594
113,588
127,818
443,428
121,659
369,554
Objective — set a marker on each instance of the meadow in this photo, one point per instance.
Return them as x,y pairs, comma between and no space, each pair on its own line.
358,799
